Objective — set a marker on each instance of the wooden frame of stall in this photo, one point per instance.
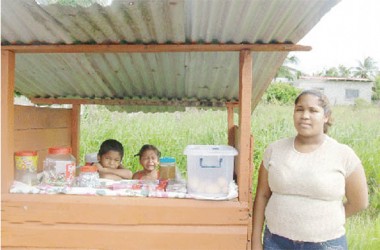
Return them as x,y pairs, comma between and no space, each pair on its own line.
80,222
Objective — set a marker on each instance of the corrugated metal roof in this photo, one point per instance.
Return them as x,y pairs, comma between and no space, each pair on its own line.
208,76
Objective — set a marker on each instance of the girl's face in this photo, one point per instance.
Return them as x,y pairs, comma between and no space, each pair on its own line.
111,159
309,117
149,160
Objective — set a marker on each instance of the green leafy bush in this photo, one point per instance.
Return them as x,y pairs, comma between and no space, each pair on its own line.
280,93
376,89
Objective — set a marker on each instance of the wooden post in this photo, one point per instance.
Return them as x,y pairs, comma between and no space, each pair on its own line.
7,119
250,198
75,131
230,124
244,133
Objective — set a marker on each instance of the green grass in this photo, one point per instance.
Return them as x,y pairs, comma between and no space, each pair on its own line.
172,132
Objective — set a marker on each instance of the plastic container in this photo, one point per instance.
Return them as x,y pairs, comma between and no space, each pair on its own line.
26,167
91,158
167,168
209,169
59,166
88,177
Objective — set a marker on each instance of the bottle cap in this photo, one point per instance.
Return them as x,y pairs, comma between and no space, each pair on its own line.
26,153
88,168
60,150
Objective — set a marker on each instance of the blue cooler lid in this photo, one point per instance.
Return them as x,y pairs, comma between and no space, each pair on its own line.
167,160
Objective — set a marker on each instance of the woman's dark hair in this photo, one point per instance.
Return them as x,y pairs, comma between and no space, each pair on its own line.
323,102
147,147
109,145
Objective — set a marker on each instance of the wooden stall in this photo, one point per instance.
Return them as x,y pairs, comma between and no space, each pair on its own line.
81,222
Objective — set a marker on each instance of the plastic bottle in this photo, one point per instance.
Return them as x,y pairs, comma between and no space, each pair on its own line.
59,166
88,177
167,168
26,167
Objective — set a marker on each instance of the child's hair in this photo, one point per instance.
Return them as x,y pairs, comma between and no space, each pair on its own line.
323,102
148,147
109,145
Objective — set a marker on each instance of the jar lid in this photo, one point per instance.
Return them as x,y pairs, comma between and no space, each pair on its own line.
26,153
60,150
88,168
167,160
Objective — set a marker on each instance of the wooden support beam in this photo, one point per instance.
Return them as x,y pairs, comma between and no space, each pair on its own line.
152,48
230,123
244,132
7,119
75,131
250,198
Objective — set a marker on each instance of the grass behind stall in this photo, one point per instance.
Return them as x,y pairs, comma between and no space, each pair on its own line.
172,132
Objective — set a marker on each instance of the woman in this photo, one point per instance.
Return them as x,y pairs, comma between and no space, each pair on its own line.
303,181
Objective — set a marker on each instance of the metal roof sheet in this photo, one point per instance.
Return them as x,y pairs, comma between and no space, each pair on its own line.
210,77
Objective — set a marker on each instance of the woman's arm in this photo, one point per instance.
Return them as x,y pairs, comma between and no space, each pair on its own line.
356,192
263,193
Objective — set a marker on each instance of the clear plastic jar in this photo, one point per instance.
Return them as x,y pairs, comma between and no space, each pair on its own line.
88,177
59,166
167,168
26,167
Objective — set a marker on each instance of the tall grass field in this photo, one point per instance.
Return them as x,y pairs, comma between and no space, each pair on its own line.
358,127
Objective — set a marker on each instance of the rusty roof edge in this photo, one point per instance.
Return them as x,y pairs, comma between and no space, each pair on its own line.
154,48
185,102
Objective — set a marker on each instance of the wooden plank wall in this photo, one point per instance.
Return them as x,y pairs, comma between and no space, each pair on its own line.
96,222
41,128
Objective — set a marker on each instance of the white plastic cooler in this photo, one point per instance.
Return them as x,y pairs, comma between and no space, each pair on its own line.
209,169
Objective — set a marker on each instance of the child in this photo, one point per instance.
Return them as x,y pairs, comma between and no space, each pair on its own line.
149,157
109,165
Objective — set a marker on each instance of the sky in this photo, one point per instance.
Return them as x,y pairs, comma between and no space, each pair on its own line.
348,33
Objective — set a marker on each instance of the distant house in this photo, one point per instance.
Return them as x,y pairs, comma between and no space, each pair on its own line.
340,91
282,79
